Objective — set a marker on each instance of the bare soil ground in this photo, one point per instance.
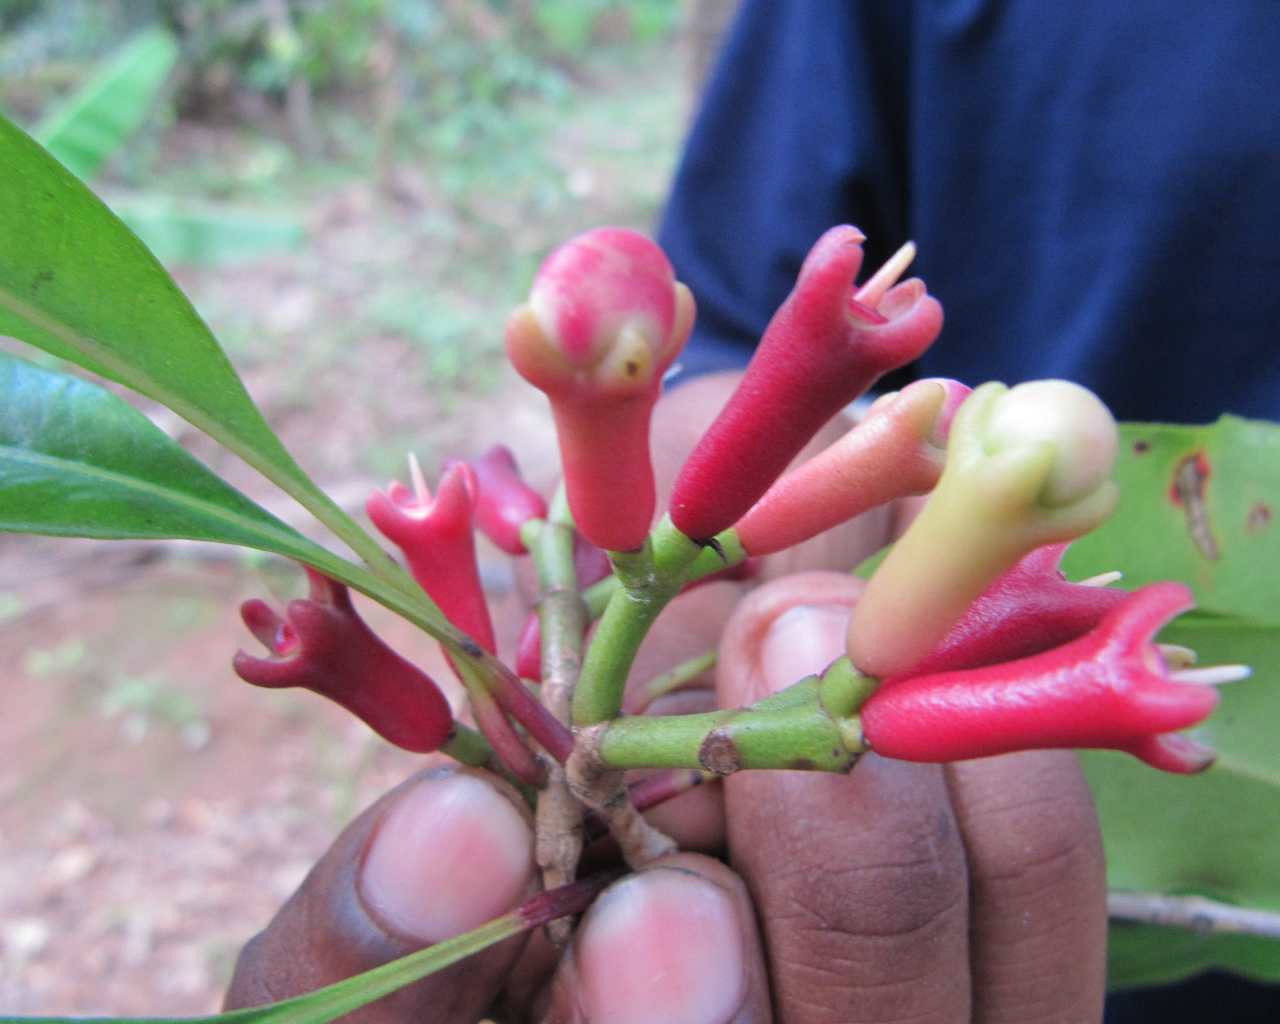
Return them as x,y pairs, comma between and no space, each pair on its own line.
154,810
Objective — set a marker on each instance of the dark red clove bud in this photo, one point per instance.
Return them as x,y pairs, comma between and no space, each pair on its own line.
504,502
438,543
819,353
323,645
1029,609
1110,689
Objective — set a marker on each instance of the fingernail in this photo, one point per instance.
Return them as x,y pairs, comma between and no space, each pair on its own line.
663,945
802,641
450,856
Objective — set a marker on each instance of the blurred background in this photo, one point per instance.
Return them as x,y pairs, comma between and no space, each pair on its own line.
353,194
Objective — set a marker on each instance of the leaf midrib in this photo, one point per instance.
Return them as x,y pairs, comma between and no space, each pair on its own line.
274,530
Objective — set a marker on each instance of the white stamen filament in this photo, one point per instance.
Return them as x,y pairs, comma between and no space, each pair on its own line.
420,491
1213,675
887,276
1102,579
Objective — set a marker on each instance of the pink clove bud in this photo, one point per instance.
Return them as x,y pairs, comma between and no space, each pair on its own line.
898,450
821,351
504,502
323,645
1110,689
604,320
438,543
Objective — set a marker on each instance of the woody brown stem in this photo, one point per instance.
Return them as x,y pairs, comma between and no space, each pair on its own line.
562,618
600,788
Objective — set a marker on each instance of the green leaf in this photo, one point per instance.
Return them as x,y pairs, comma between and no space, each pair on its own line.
1139,954
76,461
329,1003
1215,834
1200,505
77,283
865,569
201,235
94,123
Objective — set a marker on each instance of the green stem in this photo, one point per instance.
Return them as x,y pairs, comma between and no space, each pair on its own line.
677,677
561,612
811,726
650,578
598,594
467,746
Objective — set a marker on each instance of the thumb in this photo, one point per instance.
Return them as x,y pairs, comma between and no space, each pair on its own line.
782,632
859,880
441,854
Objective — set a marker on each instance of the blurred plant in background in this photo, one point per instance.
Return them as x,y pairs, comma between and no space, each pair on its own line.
341,175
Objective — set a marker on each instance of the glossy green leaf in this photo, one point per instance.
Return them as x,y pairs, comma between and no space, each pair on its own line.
93,124
1215,834
77,283
329,1003
1200,505
77,461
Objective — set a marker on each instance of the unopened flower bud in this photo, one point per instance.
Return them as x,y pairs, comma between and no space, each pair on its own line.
898,450
822,349
322,644
1110,689
1025,468
436,537
604,321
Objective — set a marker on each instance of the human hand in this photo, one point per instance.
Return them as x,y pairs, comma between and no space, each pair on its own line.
900,892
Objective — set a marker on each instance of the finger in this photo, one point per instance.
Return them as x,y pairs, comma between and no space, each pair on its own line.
859,880
674,942
1037,887
436,857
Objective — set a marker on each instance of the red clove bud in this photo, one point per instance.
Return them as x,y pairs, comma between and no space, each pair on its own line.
504,502
1110,689
323,645
604,320
438,543
822,349
1029,609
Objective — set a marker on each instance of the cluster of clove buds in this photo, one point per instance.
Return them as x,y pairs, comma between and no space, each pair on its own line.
968,641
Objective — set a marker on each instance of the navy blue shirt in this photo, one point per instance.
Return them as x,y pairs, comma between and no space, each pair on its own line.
1095,188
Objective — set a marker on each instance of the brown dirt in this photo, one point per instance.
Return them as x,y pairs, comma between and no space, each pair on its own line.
155,810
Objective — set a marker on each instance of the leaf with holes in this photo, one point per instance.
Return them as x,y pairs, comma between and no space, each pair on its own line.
1200,505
